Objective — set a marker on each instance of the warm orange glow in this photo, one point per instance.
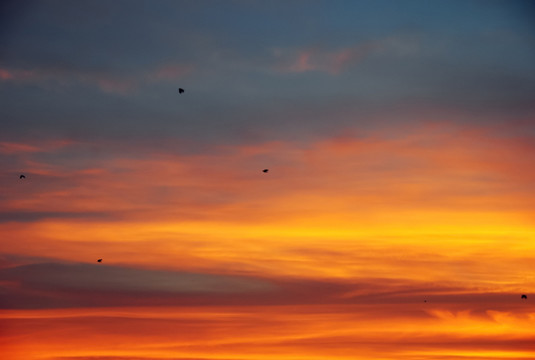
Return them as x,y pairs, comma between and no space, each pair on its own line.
354,233
344,332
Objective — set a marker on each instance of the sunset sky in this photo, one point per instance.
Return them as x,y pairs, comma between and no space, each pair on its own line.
396,222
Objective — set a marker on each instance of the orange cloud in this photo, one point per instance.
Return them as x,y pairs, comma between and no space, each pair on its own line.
350,234
311,332
438,189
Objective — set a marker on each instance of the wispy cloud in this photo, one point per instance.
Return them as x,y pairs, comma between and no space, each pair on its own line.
396,220
49,282
31,216
169,72
336,61
34,147
117,82
57,285
286,332
433,181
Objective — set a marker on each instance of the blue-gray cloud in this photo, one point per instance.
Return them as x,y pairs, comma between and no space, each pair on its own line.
100,277
90,70
65,285
31,216
59,285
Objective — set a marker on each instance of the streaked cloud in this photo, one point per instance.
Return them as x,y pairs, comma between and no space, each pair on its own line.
336,61
170,72
106,80
30,216
396,220
40,146
315,332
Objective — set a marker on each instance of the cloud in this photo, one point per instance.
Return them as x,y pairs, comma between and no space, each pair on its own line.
5,74
436,188
339,60
62,285
37,146
31,216
169,72
302,332
134,358
108,278
68,76
11,148
55,284
113,81
332,62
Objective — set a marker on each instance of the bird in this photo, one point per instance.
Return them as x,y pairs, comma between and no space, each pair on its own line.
22,177
180,90
265,170
99,260
524,297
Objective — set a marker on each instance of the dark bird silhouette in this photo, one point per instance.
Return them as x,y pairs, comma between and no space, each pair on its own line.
22,177
524,297
99,260
265,170
180,90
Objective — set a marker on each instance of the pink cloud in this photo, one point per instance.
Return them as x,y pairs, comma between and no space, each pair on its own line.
12,148
332,62
106,81
169,72
339,60
336,61
302,63
18,147
18,75
116,86
5,74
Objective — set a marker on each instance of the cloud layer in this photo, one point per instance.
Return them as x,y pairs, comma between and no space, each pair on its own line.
396,220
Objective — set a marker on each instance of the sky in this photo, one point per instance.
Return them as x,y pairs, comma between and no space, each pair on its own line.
396,221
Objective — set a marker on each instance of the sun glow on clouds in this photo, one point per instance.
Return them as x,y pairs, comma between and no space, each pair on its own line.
312,332
396,221
330,254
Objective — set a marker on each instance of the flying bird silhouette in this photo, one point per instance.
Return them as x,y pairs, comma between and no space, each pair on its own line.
524,297
99,260
180,90
22,177
265,170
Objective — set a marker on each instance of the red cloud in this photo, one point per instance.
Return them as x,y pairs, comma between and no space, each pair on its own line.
5,74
